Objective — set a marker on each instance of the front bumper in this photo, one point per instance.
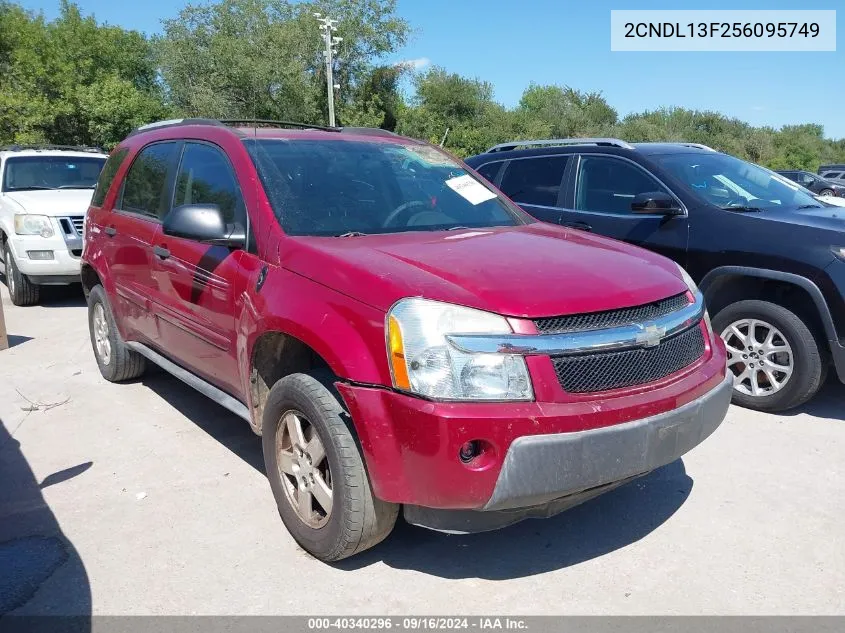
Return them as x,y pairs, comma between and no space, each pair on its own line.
63,265
411,446
546,474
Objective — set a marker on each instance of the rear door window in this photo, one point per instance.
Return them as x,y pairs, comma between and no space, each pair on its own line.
144,190
535,181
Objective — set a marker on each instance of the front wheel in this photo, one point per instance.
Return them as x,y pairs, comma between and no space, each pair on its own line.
316,472
827,192
775,359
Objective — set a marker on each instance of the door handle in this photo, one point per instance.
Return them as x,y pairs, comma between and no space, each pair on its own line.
110,231
581,226
161,252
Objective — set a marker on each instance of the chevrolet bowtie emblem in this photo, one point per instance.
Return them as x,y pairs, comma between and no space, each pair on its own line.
651,335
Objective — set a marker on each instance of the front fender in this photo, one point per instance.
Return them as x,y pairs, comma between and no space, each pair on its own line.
347,334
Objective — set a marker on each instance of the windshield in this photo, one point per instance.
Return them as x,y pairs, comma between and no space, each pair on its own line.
729,182
24,173
341,188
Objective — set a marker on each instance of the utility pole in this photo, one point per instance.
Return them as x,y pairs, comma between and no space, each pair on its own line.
327,27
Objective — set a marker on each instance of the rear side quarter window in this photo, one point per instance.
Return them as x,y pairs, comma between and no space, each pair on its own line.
106,179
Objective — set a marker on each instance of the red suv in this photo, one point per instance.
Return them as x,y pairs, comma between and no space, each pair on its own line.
397,331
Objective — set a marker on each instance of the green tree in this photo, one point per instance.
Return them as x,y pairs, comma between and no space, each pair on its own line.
566,112
72,80
264,58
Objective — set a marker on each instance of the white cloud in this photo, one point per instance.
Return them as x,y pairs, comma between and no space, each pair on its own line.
414,64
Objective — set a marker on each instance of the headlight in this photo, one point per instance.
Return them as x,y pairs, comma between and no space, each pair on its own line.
26,224
693,288
839,252
423,362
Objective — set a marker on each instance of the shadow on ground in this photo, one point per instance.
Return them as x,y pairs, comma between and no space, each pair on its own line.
17,339
610,522
535,546
42,574
224,426
829,402
70,296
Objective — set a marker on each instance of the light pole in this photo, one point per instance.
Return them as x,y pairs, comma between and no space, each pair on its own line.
327,27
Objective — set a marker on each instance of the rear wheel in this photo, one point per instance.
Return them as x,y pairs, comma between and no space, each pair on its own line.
776,361
22,291
317,474
827,192
114,358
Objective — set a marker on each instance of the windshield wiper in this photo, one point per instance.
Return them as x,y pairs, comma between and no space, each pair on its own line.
741,208
76,187
456,228
811,206
33,188
351,234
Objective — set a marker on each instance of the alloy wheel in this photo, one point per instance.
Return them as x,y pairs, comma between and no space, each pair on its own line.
759,356
304,469
101,334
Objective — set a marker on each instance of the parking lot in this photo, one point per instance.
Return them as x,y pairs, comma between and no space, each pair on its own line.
148,498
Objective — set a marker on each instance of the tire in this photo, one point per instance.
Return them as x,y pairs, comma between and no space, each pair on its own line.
808,361
827,192
357,520
121,363
22,291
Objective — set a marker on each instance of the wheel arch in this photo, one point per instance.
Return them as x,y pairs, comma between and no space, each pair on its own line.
90,278
721,286
275,354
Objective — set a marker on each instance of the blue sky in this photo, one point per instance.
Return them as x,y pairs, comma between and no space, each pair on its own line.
512,43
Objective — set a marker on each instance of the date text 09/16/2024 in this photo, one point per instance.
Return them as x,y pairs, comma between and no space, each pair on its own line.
422,623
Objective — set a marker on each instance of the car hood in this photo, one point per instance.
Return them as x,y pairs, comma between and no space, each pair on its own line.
528,271
829,217
53,202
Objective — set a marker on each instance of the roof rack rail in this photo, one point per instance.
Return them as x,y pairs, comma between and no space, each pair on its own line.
272,122
698,145
171,122
611,142
16,147
367,131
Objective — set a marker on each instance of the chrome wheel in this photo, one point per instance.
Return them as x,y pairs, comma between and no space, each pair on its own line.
101,334
759,356
304,469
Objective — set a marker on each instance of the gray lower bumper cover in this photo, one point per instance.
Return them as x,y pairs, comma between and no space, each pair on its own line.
544,474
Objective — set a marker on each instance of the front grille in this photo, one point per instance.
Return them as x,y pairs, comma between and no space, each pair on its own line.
611,318
615,370
78,223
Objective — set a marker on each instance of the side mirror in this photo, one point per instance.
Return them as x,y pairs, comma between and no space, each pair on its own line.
655,203
203,223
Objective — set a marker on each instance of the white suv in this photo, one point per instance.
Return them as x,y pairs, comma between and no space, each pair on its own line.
44,195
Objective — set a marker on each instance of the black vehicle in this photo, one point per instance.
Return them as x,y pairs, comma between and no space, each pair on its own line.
769,257
834,167
814,183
